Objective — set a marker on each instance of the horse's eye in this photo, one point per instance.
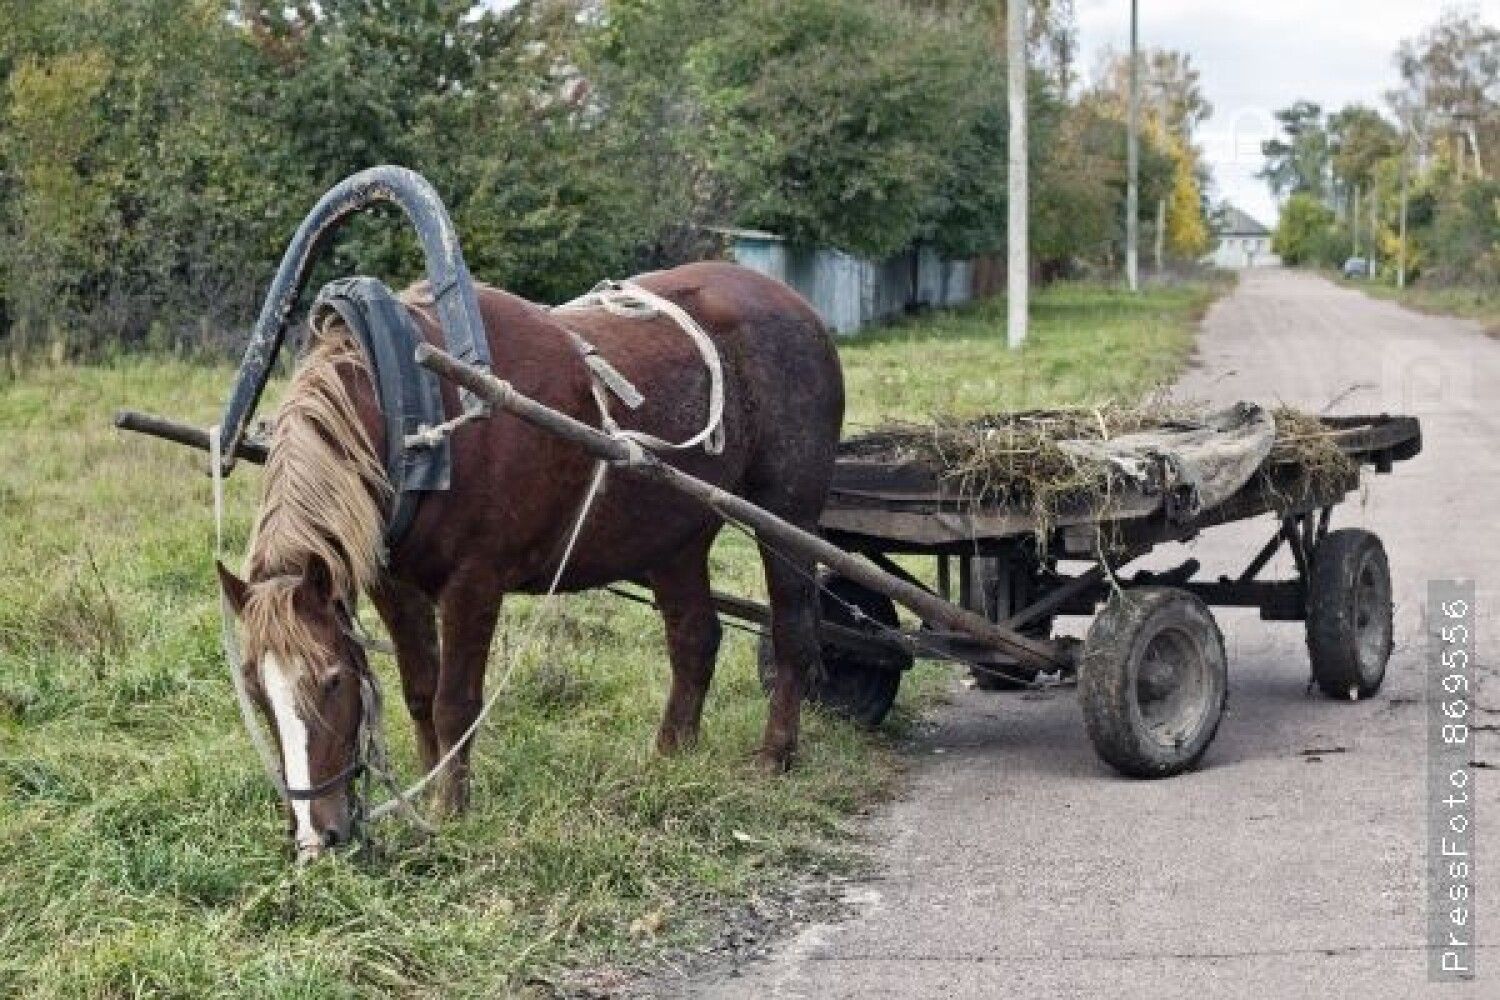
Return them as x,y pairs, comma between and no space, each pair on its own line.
331,682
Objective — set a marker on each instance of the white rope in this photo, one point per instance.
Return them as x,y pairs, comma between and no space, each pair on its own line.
631,301
548,608
229,639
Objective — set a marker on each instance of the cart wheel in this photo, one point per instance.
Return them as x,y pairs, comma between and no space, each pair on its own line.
1153,681
1349,614
851,685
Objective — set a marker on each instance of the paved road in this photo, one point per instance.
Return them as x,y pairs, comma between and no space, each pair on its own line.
1018,866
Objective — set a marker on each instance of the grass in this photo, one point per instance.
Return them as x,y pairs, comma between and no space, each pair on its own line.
1482,304
141,853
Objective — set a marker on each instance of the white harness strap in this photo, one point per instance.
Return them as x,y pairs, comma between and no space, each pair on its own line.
627,299
229,639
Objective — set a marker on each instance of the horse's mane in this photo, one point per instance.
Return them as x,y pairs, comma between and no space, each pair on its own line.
322,501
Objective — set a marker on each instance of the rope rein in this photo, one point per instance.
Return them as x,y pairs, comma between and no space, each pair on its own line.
546,611
229,638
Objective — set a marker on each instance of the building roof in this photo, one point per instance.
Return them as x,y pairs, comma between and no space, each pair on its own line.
1237,223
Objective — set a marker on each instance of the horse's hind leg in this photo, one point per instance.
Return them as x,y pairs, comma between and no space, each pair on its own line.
683,594
792,585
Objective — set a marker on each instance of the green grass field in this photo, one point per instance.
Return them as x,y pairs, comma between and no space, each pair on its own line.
141,853
1482,304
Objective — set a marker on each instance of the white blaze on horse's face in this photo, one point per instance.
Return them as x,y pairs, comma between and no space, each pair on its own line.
277,680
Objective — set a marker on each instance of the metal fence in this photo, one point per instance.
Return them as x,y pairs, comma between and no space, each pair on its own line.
851,293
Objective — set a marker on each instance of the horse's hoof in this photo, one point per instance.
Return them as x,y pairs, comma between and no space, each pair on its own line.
671,742
451,800
774,762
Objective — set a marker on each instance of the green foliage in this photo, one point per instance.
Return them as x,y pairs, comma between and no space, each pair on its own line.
155,155
1298,164
1306,233
1464,241
1359,138
849,123
1086,164
1429,159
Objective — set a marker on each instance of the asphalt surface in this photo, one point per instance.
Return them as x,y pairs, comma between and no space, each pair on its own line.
1293,863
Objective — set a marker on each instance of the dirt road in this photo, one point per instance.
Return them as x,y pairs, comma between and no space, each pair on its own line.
1018,866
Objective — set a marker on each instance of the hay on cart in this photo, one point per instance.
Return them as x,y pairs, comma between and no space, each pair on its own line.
1019,460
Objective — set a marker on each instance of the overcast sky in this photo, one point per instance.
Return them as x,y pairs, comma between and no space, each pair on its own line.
1260,55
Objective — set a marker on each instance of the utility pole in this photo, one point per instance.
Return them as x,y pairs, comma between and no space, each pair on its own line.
1161,235
1133,161
1401,250
1374,228
1354,220
1017,273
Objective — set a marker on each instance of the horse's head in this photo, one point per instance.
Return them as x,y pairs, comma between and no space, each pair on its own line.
307,675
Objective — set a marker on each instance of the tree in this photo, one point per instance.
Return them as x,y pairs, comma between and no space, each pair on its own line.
1171,89
1298,164
1187,227
838,122
1359,138
1304,234
1452,73
169,172
1173,106
1051,28
60,220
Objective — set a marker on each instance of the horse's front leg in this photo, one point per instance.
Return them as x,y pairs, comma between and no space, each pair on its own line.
411,622
469,607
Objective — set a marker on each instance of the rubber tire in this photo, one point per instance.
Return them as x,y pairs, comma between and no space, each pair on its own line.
1341,661
849,686
1108,677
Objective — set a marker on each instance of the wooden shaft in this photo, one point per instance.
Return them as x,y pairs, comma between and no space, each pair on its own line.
772,529
184,434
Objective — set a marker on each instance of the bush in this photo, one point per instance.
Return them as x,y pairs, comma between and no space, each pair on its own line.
1308,234
1464,241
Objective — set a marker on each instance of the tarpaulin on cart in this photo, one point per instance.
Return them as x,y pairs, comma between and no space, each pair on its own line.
1194,464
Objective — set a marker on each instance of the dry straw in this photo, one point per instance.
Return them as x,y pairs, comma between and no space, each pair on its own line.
1016,460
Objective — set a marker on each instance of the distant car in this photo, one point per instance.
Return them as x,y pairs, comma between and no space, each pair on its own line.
1356,267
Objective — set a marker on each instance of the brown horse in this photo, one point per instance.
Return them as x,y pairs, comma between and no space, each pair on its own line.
502,526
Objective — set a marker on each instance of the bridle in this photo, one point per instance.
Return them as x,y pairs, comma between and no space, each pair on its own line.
370,759
369,722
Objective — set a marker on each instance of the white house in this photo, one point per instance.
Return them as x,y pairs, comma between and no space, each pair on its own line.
1243,242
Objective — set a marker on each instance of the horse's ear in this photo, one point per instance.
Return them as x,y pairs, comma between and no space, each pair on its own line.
235,589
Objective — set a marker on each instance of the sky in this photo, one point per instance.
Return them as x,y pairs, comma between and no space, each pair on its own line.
1262,55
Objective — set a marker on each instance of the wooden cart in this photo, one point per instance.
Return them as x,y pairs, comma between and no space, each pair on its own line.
1152,671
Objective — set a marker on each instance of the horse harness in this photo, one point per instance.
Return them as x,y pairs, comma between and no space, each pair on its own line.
418,454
